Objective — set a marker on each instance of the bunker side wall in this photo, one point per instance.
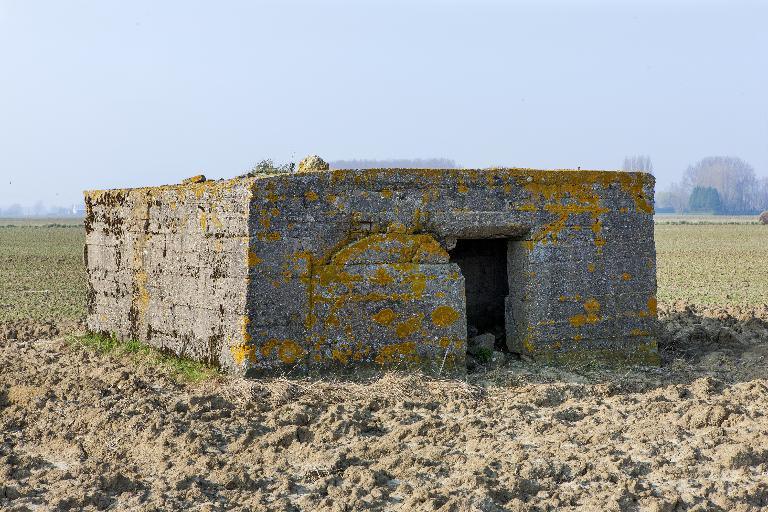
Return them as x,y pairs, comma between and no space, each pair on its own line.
582,264
168,266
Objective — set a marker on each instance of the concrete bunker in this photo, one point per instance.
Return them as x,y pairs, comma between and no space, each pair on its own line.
334,271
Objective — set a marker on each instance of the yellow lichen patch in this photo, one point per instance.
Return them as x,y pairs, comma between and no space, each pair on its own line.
428,247
592,306
418,283
443,316
626,276
638,332
394,246
591,267
548,233
578,320
592,309
203,221
142,291
386,193
264,219
526,207
384,317
242,352
334,274
288,351
253,258
419,218
652,306
410,326
341,354
599,243
269,346
311,195
528,344
244,322
578,337
381,277
430,194
554,188
397,352
462,187
332,320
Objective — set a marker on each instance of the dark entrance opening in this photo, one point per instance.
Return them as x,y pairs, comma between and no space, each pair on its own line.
483,263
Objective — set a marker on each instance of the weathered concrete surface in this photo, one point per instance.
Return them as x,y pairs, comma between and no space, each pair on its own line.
340,270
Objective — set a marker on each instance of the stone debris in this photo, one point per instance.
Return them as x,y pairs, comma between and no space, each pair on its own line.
313,163
483,342
194,179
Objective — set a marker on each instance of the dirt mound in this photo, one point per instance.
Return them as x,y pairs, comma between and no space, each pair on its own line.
25,330
728,340
87,431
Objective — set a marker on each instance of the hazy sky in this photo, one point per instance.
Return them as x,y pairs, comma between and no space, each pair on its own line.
97,94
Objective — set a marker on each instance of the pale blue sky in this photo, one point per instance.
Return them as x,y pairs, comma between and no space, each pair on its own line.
97,94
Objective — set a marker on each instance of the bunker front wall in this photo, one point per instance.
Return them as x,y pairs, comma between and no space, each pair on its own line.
167,265
351,269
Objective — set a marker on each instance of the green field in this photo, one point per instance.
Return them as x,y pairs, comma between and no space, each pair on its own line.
41,270
42,275
713,264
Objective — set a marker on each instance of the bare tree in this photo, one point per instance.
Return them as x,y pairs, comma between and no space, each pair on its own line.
14,210
761,200
675,197
733,178
641,163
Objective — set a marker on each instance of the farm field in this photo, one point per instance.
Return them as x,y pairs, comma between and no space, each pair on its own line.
712,264
89,426
43,277
675,218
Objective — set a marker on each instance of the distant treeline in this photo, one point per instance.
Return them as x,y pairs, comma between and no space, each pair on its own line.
716,184
401,163
40,210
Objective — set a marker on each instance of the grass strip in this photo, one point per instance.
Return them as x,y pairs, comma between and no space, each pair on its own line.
181,369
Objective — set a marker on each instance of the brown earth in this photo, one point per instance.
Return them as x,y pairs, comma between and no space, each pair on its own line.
23,330
81,430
